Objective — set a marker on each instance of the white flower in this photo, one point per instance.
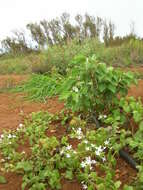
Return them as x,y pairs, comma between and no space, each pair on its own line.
14,136
68,155
75,89
87,148
9,136
84,186
2,136
106,142
98,150
79,132
103,159
79,137
93,145
62,152
69,147
20,125
85,141
83,164
100,117
93,161
88,160
23,152
10,143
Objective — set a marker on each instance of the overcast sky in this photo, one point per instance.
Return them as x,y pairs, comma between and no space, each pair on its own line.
15,14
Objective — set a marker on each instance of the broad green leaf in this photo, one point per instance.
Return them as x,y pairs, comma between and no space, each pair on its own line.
25,165
2,180
126,187
117,184
141,126
69,174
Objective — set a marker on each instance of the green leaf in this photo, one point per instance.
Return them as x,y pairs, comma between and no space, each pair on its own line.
117,184
64,140
112,88
2,180
126,187
38,186
91,187
69,174
137,116
102,87
141,126
101,187
25,165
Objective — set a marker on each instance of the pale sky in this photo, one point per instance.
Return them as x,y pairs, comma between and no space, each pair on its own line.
15,14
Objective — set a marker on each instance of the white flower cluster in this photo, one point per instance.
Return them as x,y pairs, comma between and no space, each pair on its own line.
99,150
84,186
106,142
67,151
78,133
75,89
9,136
19,127
102,117
88,162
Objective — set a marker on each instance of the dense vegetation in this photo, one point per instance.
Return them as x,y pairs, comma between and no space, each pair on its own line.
58,57
91,91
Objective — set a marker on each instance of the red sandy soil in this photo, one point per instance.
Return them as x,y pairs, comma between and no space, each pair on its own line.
11,105
11,80
137,90
138,69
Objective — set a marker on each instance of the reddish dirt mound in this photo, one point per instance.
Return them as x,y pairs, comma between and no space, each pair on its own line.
12,106
137,91
7,81
138,69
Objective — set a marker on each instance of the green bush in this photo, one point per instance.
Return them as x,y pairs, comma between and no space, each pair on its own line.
17,65
61,56
127,54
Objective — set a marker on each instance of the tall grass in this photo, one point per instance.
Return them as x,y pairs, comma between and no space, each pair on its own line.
58,57
129,53
38,87
61,56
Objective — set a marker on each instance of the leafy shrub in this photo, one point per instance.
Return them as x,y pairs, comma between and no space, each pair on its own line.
91,85
60,56
129,53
